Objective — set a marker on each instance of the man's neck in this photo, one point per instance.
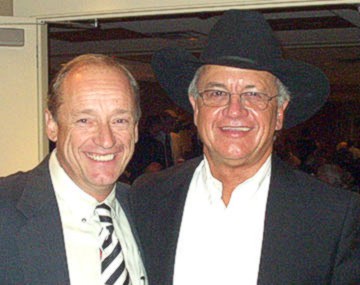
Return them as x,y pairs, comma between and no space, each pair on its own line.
232,175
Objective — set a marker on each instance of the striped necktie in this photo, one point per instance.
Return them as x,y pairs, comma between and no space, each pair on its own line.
113,270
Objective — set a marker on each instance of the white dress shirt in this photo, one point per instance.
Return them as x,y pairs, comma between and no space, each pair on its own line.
219,244
81,228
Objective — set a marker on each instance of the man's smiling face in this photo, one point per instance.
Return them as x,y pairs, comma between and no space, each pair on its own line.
95,130
235,135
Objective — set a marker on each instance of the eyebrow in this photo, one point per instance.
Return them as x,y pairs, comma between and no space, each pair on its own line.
81,112
93,112
121,111
221,85
215,84
249,86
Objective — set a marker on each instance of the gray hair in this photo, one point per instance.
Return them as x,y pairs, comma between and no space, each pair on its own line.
283,92
54,99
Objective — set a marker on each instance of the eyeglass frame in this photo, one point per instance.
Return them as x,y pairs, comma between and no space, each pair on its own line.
229,94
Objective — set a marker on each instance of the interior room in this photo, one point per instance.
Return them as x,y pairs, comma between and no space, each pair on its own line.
326,36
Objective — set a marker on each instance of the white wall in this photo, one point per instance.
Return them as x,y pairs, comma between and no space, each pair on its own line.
46,8
21,140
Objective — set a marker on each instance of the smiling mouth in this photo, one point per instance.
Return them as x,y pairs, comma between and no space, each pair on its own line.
238,129
102,158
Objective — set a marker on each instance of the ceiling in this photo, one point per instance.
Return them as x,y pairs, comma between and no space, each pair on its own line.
327,36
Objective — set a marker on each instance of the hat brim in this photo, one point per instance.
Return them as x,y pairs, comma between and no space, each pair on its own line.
309,88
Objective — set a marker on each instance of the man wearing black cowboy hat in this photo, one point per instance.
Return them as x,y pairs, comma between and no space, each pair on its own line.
238,215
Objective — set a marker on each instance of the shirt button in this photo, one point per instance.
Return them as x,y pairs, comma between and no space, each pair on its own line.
83,220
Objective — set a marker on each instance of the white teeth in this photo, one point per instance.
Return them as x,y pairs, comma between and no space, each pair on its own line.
97,157
244,129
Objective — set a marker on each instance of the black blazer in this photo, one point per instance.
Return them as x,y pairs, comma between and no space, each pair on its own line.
32,248
311,233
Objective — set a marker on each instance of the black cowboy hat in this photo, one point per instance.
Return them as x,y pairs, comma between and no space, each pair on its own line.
244,39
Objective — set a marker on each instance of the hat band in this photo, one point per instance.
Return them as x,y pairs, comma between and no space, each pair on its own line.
238,62
233,59
237,59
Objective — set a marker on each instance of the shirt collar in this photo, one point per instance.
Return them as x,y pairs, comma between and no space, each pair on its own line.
78,202
248,188
213,185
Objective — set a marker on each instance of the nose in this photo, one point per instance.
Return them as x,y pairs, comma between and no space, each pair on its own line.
105,136
236,106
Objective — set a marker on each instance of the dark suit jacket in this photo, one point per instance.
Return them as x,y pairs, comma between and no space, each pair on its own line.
311,233
32,249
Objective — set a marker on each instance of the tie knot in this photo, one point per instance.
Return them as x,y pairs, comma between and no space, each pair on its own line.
104,213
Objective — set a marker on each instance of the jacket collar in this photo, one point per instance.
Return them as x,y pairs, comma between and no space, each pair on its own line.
40,240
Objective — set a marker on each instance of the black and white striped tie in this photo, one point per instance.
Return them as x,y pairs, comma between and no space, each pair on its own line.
113,270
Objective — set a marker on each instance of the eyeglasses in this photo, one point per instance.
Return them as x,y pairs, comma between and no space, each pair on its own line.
251,100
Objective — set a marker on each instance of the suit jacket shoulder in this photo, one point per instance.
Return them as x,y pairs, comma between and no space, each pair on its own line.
311,232
12,186
32,249
157,202
177,175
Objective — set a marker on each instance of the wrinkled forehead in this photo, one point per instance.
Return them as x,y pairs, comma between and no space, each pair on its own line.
227,74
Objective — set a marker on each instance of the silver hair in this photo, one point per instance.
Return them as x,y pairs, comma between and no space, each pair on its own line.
283,92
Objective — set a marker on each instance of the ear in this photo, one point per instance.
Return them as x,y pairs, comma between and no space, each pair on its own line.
136,132
194,105
51,126
280,116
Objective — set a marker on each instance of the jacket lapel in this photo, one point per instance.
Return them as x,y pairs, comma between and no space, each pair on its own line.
122,195
40,240
283,212
171,207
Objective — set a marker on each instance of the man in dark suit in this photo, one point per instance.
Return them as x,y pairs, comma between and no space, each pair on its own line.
239,215
67,221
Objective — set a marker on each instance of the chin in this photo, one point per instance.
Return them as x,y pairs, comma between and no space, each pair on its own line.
103,180
234,153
